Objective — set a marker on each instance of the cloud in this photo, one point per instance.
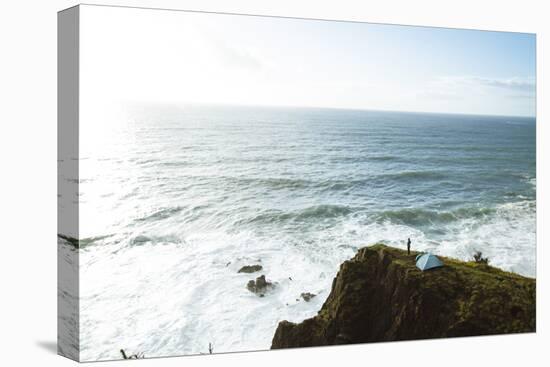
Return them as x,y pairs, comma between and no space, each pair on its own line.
468,87
232,56
521,84
239,58
517,84
474,94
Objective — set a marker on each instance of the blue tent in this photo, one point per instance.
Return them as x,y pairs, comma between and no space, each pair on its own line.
427,261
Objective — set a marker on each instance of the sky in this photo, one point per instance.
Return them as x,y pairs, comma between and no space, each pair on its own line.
152,56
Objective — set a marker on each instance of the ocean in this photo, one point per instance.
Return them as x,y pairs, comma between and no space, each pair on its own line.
176,200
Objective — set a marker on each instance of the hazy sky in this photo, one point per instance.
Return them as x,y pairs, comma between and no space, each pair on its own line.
168,56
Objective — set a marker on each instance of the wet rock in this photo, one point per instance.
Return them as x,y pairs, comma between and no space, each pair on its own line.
250,269
307,296
259,286
140,240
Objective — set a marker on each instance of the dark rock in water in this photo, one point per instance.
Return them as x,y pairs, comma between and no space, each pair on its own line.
250,268
140,240
380,295
261,283
260,286
307,296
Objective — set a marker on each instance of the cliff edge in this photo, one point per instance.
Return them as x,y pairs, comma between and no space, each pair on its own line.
380,295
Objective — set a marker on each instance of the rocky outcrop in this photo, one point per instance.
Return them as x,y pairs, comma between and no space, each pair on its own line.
307,296
380,295
250,269
259,286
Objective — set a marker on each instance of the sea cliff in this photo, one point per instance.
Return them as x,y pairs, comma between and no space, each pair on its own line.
380,295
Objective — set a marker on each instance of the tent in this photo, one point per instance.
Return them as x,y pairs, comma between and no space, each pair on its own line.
427,261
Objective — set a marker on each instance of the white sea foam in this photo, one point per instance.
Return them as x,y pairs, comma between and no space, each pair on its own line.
172,299
506,238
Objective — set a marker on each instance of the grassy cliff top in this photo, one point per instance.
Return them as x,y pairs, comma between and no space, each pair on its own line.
475,271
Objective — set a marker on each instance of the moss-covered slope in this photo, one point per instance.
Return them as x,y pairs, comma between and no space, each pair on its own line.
380,295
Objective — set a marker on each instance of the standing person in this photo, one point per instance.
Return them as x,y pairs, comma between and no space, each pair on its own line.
408,246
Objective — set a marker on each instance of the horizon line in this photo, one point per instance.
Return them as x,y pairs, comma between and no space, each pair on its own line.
180,103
